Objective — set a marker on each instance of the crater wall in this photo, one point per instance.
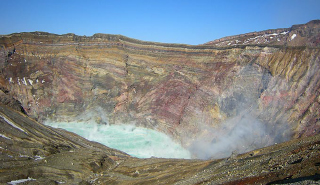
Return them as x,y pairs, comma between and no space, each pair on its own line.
184,91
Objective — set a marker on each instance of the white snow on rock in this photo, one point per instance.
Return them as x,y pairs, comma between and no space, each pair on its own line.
60,182
24,81
43,81
12,124
20,181
293,36
30,81
37,157
5,137
285,32
24,156
10,80
18,81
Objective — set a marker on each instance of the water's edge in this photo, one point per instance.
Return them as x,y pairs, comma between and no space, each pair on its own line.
136,141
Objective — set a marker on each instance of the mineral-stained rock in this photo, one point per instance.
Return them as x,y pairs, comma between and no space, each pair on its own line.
38,154
188,92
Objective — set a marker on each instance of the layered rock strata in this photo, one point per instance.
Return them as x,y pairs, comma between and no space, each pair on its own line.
188,92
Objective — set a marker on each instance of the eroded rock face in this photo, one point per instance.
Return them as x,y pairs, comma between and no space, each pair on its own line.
189,92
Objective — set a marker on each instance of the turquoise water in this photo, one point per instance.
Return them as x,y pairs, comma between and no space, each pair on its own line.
136,141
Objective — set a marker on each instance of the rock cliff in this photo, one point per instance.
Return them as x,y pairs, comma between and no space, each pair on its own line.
267,82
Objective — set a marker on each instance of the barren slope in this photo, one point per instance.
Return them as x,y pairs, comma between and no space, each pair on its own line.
39,154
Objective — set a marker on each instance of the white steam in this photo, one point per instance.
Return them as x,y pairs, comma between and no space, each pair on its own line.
245,131
237,135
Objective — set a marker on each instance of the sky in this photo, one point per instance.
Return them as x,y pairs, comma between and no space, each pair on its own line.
169,21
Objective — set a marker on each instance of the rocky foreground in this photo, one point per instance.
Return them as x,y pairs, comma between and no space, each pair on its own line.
39,154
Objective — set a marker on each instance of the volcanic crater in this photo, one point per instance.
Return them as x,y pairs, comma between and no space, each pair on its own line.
222,101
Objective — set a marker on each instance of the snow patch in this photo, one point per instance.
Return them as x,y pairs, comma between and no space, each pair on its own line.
285,32
24,81
10,80
20,181
5,137
18,80
23,156
12,124
293,36
37,157
30,81
43,81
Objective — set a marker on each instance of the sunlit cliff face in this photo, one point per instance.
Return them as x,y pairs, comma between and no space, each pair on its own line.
241,92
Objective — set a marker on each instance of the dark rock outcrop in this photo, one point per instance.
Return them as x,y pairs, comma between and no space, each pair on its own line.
7,99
